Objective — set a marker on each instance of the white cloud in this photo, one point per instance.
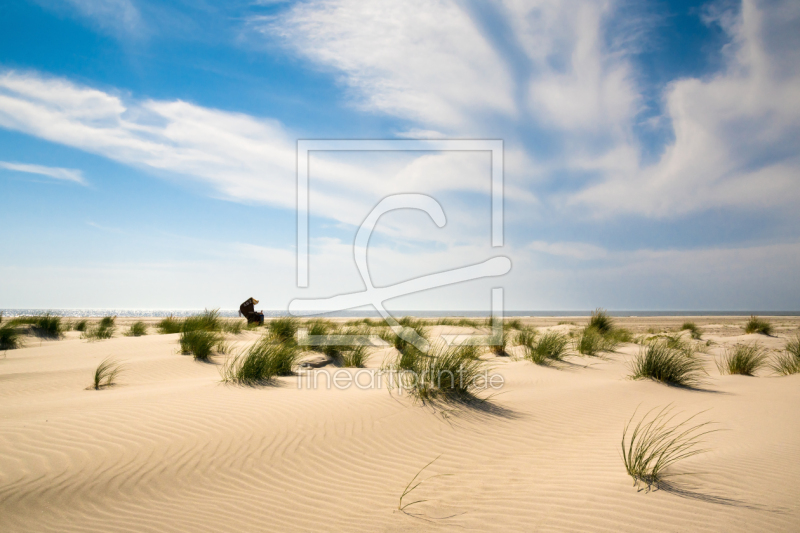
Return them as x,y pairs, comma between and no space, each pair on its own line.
114,16
424,60
242,157
737,134
65,174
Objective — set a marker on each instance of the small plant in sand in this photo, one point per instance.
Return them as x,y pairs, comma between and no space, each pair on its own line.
526,337
261,362
199,343
105,374
449,373
656,443
601,322
80,325
169,325
10,337
319,327
756,325
660,362
355,357
46,325
500,342
137,329
692,328
206,321
514,324
788,362
103,330
591,342
234,326
413,484
742,359
547,349
283,329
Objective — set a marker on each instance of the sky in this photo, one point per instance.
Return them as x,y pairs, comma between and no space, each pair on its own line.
651,151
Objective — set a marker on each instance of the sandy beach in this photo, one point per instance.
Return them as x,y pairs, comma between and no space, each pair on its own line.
172,448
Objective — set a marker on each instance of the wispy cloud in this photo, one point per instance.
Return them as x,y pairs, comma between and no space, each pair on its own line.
117,16
64,174
735,134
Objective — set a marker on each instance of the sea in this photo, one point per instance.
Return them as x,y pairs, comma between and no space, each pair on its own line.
75,313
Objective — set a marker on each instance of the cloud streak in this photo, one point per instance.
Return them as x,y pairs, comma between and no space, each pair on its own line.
63,174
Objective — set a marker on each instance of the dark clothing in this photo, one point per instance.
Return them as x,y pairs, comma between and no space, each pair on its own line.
247,309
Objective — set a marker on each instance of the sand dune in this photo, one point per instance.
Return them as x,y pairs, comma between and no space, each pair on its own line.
171,448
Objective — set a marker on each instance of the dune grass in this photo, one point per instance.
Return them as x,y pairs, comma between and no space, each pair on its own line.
788,362
137,329
757,325
105,374
412,486
526,336
547,349
208,320
283,329
233,326
601,322
10,337
261,362
199,343
46,325
693,330
169,325
591,342
660,362
356,357
655,444
103,330
447,373
742,359
320,326
80,325
500,343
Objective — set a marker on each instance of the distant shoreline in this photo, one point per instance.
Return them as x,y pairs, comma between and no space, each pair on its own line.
157,313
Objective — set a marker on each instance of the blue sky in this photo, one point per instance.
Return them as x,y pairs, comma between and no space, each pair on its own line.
651,150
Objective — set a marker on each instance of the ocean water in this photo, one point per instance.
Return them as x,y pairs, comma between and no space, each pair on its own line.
373,314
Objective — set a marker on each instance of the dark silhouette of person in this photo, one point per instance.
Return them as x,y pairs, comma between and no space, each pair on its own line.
247,310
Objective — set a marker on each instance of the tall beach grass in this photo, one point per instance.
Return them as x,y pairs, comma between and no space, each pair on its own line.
660,362
757,325
742,359
261,362
105,374
788,362
137,329
657,442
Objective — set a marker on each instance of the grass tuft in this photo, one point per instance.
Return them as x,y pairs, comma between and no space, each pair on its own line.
789,361
591,342
104,329
601,322
261,362
356,357
234,326
660,362
283,329
169,325
448,373
742,359
105,374
80,325
655,445
10,337
694,331
207,321
137,329
199,343
550,347
756,325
